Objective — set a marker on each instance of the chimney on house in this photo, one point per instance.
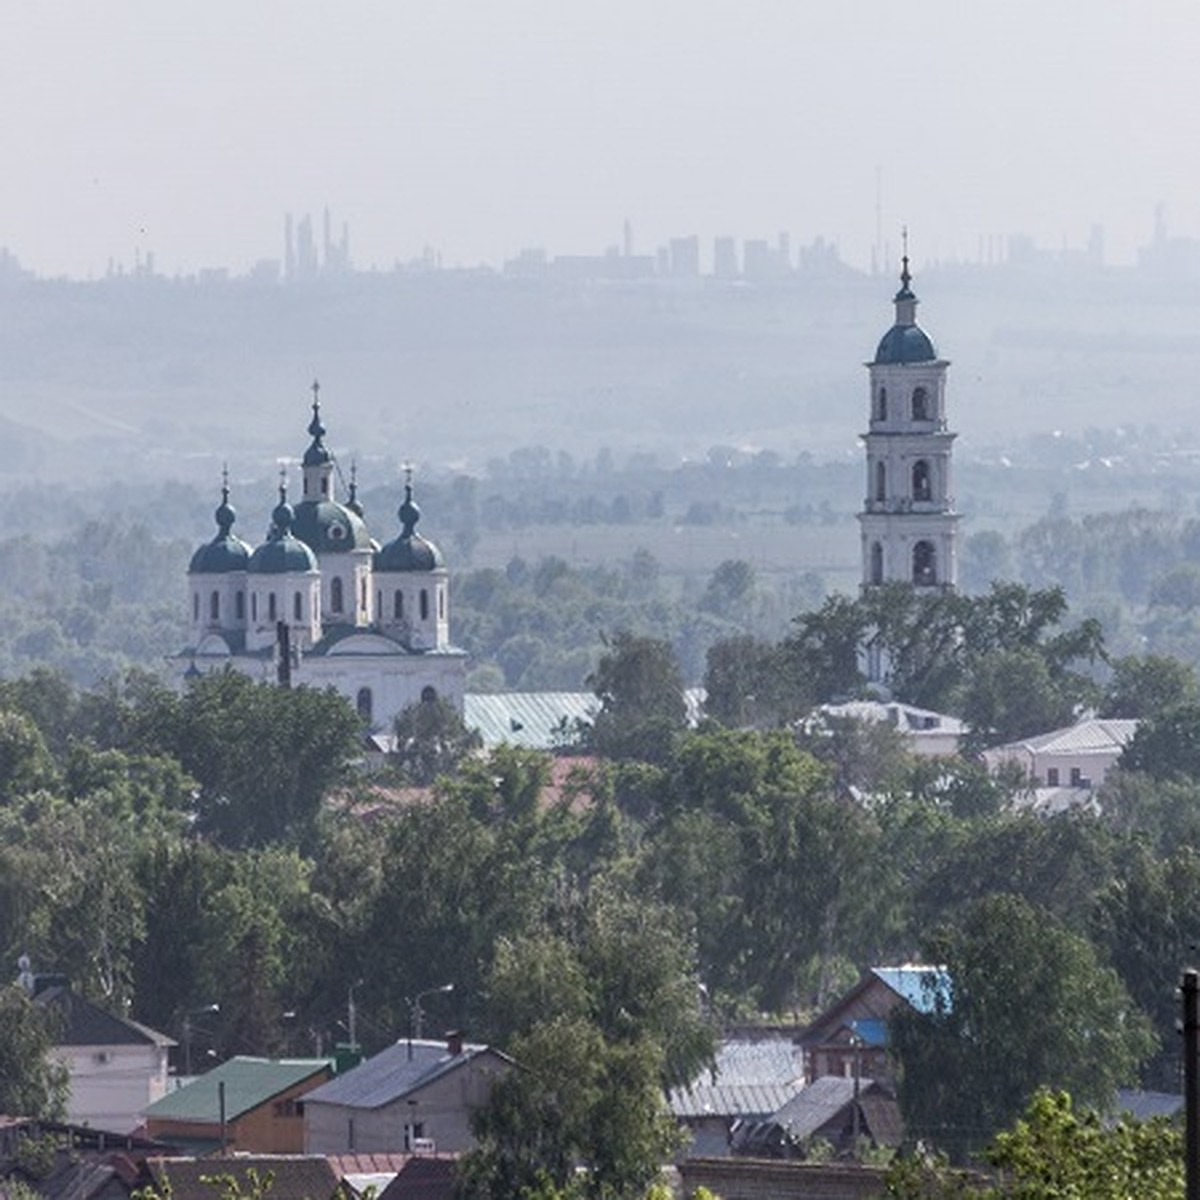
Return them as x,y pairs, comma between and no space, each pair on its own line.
454,1042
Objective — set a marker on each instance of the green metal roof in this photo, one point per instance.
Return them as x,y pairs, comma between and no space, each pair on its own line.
249,1083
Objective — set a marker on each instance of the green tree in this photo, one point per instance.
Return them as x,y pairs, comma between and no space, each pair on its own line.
640,689
1166,744
431,740
32,1084
1148,685
1028,1005
264,757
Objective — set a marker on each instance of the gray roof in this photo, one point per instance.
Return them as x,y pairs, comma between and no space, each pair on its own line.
818,1103
749,1078
87,1024
538,720
394,1073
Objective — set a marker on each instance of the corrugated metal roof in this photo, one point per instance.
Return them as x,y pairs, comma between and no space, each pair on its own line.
530,720
749,1078
544,720
810,1108
920,987
1094,736
248,1082
394,1073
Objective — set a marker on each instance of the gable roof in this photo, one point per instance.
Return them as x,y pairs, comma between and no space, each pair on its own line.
249,1083
398,1071
1095,735
295,1177
923,989
424,1178
87,1024
749,1078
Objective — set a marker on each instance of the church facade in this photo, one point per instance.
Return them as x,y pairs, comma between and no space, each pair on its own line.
320,603
908,521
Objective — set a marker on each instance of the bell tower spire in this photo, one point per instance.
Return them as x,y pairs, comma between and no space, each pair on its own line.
908,520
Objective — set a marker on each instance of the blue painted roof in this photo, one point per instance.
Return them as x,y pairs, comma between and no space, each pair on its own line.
905,344
923,988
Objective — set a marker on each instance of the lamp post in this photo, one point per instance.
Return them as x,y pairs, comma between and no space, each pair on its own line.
189,1029
416,1014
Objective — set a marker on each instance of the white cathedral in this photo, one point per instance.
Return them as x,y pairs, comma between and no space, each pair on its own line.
320,603
909,526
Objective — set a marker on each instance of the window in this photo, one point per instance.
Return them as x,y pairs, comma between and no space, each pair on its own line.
921,487
271,614
362,594
876,562
214,606
239,605
195,606
881,404
1052,777
424,605
324,485
924,564
297,607
335,594
880,481
398,605
1076,777
364,703
441,593
428,695
254,606
920,404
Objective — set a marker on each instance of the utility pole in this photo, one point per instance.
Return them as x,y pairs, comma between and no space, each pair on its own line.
1191,1080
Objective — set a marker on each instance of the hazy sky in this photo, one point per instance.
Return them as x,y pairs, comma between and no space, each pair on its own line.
191,127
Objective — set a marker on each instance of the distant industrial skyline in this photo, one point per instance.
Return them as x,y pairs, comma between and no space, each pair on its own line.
475,131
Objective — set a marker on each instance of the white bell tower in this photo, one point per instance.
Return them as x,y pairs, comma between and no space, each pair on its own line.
909,526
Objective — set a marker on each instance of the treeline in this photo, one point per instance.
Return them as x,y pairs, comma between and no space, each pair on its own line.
172,852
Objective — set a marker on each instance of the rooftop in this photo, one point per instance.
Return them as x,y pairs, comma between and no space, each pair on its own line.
249,1083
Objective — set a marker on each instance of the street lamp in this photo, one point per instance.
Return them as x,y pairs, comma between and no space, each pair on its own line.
416,1014
189,1029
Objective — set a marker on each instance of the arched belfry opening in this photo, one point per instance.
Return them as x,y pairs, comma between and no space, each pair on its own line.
922,486
924,564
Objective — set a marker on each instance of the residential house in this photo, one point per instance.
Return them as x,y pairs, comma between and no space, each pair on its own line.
245,1104
850,1037
1065,766
116,1066
415,1095
750,1079
926,733
292,1177
845,1113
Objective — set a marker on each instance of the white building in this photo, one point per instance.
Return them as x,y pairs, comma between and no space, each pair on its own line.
414,1095
321,604
1077,757
909,526
116,1067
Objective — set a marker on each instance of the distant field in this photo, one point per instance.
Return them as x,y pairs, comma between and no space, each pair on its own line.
772,548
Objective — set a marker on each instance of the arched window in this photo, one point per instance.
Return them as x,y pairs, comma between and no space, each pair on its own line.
297,607
881,404
920,404
335,594
195,606
876,562
239,605
428,695
214,606
424,605
921,487
398,605
271,613
880,481
924,564
364,702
